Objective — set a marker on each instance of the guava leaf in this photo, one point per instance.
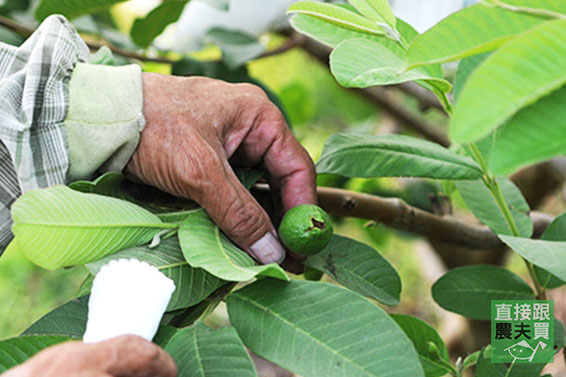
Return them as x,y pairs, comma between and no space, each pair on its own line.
466,67
360,268
192,284
200,351
549,255
205,246
108,184
421,334
556,231
67,320
15,351
327,331
337,15
58,226
469,290
525,140
146,29
376,10
377,64
519,74
368,156
332,34
474,30
71,8
486,368
248,177
479,199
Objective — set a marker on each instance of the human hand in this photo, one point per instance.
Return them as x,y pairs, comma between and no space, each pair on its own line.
194,126
124,356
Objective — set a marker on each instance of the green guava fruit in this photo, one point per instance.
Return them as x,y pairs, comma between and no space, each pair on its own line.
305,229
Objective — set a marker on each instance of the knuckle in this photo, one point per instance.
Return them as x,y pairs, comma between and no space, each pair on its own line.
148,352
244,221
252,90
145,352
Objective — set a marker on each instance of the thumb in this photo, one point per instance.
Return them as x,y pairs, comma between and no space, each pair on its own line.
241,218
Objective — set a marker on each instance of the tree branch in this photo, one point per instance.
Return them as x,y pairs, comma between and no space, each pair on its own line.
25,31
397,214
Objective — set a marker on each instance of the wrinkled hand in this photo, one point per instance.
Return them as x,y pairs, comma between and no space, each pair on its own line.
124,356
194,126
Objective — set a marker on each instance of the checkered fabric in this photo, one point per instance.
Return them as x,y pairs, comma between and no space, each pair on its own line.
33,104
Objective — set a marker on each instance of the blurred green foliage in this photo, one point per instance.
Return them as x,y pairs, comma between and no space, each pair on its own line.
27,292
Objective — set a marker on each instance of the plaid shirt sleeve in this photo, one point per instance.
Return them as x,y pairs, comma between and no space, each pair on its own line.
33,104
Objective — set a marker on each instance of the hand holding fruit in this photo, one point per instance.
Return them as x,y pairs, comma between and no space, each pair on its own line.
194,127
124,356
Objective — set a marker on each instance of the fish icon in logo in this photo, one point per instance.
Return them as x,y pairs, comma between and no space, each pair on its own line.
524,351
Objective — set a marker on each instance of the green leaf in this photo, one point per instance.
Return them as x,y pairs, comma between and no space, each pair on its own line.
376,10
474,30
479,199
485,368
108,184
237,47
329,34
337,15
523,71
9,6
103,56
367,156
15,351
549,255
58,226
146,29
421,335
466,67
525,140
360,268
205,246
469,290
332,35
326,331
68,320
192,284
556,231
559,333
248,177
376,63
164,335
71,8
117,186
199,351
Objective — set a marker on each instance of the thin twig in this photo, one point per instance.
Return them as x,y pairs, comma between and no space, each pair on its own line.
397,214
25,31
295,40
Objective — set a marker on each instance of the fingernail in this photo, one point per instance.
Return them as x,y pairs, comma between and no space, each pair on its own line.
268,249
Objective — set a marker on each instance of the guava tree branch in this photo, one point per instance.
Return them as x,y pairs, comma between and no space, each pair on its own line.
25,31
397,214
